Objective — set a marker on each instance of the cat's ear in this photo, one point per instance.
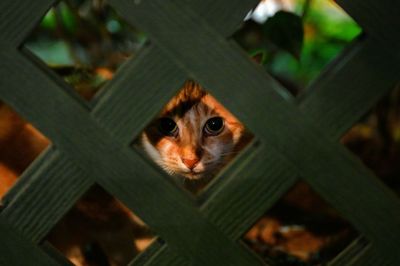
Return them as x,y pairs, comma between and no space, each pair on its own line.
259,56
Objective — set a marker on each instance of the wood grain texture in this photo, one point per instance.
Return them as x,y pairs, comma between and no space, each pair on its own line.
39,122
50,192
249,193
145,256
119,169
135,80
136,95
323,162
371,256
353,254
55,254
97,142
17,250
356,80
378,19
19,18
165,256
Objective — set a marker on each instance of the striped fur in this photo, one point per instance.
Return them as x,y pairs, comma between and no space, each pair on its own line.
190,109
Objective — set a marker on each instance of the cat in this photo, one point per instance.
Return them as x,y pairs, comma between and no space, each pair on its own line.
194,136
192,139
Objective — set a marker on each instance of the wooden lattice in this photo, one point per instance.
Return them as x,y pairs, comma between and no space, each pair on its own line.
190,39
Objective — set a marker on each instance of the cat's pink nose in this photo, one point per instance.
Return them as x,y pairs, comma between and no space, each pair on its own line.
190,163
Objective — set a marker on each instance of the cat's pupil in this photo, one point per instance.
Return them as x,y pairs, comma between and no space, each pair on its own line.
168,126
214,125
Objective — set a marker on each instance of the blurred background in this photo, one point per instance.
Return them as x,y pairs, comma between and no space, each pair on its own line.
85,42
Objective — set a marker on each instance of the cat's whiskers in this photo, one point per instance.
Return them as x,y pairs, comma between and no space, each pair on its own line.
229,153
191,130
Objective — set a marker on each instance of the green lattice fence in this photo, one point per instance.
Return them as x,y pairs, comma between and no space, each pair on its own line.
190,39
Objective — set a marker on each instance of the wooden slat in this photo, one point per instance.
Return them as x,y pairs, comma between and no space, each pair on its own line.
371,256
18,19
148,253
25,179
55,254
135,79
252,190
185,58
356,80
122,171
215,13
379,19
136,82
311,106
49,193
166,256
17,250
351,255
326,160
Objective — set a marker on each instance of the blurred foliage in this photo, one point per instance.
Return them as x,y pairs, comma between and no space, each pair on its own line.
84,41
299,44
87,34
285,31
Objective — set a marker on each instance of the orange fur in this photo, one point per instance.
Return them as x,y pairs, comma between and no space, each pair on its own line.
192,153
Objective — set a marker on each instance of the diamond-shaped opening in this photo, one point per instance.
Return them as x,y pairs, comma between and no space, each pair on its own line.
300,229
100,230
84,42
375,139
295,39
193,138
20,144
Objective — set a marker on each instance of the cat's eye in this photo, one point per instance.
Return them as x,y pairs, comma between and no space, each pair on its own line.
168,126
214,126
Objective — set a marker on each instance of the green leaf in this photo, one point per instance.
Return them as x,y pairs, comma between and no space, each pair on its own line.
49,21
259,56
285,30
68,18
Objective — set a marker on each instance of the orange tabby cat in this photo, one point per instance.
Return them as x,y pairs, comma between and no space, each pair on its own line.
195,136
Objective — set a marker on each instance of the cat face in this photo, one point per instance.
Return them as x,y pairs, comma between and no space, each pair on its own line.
194,136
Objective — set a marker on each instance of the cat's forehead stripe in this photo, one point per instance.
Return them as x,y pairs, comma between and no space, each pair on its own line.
190,95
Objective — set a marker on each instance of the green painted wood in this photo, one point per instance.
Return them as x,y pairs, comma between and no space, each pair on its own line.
372,256
26,177
378,19
135,79
216,13
351,255
254,189
148,253
120,162
122,171
55,254
18,19
47,195
135,96
357,85
325,158
17,250
166,257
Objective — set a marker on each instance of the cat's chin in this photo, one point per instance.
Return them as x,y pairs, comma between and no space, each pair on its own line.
193,175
